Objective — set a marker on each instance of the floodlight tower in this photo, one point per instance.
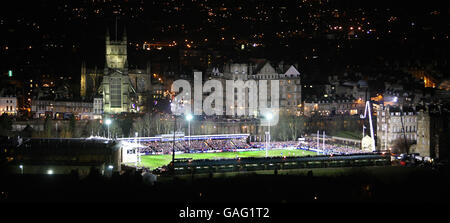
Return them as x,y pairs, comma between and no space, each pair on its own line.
318,142
138,155
189,117
368,110
323,142
269,117
108,122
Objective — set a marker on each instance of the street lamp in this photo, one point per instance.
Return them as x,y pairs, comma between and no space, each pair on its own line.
21,169
108,122
189,117
109,170
269,117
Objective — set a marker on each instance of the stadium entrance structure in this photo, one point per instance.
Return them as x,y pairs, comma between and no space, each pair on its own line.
67,156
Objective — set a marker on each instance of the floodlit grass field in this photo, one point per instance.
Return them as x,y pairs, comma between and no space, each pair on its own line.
154,161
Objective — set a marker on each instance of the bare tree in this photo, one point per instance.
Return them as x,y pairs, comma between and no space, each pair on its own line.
289,127
295,126
94,127
162,123
147,122
399,146
138,125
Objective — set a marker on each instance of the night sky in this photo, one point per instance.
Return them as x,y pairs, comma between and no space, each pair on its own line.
53,37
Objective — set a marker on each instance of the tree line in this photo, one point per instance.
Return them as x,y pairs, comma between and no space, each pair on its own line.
288,128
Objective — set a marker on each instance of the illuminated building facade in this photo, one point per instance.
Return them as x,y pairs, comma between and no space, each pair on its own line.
116,86
333,107
428,80
122,89
288,76
8,105
395,124
61,109
432,134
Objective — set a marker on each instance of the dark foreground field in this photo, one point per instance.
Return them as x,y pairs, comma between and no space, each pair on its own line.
369,184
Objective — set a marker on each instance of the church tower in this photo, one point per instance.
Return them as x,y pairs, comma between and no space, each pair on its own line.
116,88
116,52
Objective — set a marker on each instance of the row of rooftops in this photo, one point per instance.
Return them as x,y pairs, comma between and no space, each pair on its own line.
438,108
331,99
254,67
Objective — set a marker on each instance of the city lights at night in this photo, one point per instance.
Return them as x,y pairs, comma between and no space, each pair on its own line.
269,107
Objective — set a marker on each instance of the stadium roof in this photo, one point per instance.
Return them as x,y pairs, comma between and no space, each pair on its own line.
184,138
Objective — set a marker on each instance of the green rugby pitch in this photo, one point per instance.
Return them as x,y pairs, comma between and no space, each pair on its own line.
155,161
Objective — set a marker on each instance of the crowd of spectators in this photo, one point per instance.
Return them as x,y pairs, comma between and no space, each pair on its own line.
331,147
157,147
241,143
194,145
221,144
276,145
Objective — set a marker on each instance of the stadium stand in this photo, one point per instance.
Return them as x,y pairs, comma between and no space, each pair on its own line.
233,142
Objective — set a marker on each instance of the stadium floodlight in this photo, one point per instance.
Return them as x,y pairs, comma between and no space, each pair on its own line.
269,116
189,117
108,122
136,134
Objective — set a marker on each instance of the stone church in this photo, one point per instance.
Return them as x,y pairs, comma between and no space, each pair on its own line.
121,90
